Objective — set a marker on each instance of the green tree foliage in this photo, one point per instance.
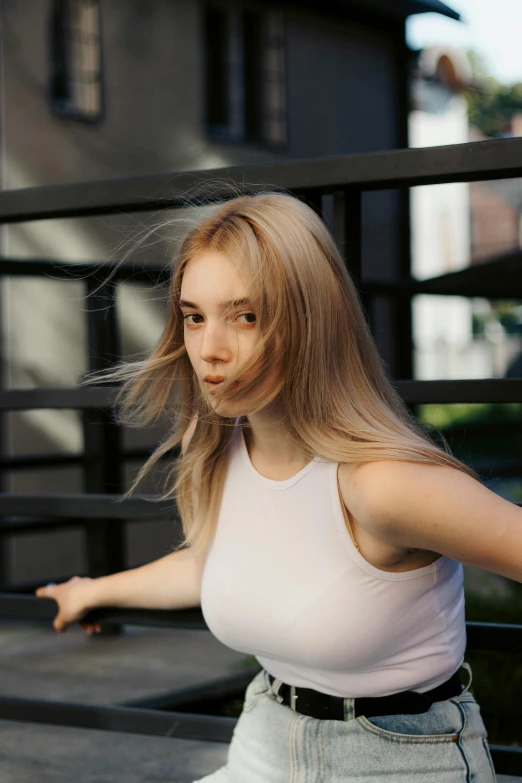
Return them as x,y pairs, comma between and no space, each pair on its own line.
492,105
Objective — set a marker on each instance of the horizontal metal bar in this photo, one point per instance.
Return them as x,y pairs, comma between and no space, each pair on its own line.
499,277
472,390
28,607
40,461
28,586
50,460
504,287
80,398
18,526
209,728
138,272
479,280
58,517
86,506
127,719
481,160
21,525
480,636
499,637
497,390
507,760
219,688
43,461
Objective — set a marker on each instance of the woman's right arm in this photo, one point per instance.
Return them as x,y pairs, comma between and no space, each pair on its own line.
172,582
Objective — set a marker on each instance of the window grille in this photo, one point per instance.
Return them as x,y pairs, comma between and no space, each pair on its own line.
275,80
76,83
246,75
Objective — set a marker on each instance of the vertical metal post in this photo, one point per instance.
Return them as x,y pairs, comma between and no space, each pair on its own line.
403,300
3,282
403,303
3,443
314,199
349,205
105,538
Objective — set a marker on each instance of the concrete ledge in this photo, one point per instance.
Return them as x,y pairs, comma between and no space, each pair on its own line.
38,663
34,753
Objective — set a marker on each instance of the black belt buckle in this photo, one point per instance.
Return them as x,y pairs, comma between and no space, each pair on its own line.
315,704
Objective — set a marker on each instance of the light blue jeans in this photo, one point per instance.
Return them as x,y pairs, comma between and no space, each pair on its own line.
273,744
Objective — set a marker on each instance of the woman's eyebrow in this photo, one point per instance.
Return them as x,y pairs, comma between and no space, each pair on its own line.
233,302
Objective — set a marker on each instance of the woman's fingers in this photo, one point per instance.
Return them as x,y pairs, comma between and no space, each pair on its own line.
71,606
41,592
59,624
91,628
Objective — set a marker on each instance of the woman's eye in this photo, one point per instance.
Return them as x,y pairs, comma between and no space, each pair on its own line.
247,314
190,315
243,315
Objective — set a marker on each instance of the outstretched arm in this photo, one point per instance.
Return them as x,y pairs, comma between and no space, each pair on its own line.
172,582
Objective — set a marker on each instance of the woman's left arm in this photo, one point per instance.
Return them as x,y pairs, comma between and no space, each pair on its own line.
443,510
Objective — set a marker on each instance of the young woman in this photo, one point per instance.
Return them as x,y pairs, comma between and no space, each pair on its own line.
324,531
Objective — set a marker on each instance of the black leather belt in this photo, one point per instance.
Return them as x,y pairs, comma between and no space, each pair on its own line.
321,705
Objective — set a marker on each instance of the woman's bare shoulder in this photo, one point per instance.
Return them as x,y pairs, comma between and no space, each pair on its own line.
359,484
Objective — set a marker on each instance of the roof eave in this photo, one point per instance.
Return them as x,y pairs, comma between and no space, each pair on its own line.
404,8
435,6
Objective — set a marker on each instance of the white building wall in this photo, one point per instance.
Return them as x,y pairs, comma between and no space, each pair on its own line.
441,243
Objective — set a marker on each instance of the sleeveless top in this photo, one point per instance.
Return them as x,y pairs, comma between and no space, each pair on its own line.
284,582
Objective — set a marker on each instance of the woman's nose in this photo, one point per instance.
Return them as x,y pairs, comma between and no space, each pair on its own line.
215,343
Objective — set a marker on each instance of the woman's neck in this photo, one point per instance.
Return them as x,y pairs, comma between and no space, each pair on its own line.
270,443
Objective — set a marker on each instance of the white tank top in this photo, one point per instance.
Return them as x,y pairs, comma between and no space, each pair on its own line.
284,582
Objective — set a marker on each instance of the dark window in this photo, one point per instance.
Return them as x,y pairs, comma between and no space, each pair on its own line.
217,35
245,74
253,56
76,78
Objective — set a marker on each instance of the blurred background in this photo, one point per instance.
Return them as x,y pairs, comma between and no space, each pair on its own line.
100,89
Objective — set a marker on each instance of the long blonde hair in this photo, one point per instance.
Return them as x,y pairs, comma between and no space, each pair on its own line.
333,387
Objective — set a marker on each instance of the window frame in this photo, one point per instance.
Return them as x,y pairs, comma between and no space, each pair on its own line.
241,108
62,81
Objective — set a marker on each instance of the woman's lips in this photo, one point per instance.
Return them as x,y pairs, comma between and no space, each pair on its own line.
213,386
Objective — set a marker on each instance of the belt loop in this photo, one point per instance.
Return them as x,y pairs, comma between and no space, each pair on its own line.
275,690
293,698
468,667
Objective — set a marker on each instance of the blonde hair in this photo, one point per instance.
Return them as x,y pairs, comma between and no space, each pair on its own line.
333,388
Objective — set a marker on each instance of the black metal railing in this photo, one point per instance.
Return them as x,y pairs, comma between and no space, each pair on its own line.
334,187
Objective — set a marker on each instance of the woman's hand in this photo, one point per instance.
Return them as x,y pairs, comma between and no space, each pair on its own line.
73,599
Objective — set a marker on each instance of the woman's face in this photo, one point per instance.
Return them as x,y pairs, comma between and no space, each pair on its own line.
216,342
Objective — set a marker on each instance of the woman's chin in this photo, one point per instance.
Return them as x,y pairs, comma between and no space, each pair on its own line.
228,408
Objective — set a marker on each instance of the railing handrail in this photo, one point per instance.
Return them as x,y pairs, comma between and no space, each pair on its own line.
412,391
505,637
85,506
467,162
